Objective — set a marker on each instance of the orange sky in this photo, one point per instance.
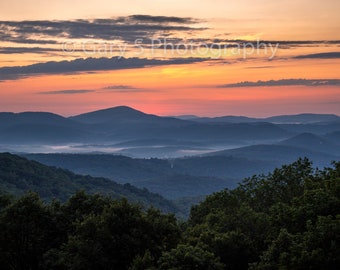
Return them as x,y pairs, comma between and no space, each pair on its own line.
305,73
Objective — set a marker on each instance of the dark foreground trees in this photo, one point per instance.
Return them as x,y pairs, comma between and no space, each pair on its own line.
288,219
87,232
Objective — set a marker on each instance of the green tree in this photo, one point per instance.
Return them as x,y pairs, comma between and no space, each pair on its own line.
143,262
186,257
117,236
26,233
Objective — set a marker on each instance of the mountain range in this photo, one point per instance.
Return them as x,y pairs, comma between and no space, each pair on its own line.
170,155
126,130
304,118
121,124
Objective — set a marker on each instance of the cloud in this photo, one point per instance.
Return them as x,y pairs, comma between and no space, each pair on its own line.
282,44
88,65
164,19
260,67
20,50
125,89
119,87
283,82
66,92
290,42
224,44
116,28
287,42
327,55
126,29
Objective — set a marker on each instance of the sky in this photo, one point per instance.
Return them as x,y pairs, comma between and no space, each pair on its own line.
207,58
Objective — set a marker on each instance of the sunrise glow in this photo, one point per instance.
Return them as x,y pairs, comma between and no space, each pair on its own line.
171,58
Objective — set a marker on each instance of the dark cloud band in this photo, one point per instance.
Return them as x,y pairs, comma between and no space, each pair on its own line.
88,65
119,28
327,55
66,92
283,82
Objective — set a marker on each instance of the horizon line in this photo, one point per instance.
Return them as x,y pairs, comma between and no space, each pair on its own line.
173,116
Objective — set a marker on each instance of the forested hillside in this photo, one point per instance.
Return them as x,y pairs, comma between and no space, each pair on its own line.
19,175
288,219
179,176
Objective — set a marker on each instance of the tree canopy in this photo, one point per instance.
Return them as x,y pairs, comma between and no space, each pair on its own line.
288,219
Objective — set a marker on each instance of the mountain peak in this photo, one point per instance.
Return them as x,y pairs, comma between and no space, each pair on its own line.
109,114
115,110
122,107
